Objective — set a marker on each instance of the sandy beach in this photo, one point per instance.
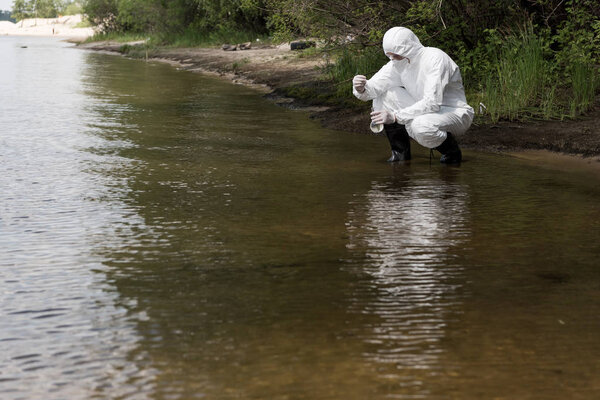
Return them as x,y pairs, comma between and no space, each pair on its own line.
64,27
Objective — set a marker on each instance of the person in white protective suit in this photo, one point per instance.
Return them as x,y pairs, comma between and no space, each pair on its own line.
418,93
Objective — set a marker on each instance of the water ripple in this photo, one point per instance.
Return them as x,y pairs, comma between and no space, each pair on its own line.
52,218
407,232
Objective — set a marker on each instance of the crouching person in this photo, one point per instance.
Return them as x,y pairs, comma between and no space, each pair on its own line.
418,93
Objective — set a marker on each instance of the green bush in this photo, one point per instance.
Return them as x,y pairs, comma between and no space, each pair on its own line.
546,70
73,9
365,61
584,84
194,37
515,88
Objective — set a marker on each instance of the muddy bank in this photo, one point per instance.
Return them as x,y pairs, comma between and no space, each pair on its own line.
280,73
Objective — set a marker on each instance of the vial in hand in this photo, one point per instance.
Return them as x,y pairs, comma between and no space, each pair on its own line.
376,128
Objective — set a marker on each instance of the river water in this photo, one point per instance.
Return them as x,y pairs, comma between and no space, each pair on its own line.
165,235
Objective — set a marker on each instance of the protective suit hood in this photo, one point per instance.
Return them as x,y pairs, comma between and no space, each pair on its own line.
425,94
402,41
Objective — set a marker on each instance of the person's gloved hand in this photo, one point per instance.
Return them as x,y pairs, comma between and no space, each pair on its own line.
383,117
359,83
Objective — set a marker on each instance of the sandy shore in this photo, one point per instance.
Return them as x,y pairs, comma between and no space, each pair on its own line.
64,27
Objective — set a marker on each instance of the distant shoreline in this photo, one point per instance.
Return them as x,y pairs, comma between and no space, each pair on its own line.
63,27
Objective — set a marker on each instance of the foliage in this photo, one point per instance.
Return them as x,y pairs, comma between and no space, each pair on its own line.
72,8
103,14
516,87
176,16
584,84
365,61
534,58
193,37
578,36
36,9
551,71
116,37
21,9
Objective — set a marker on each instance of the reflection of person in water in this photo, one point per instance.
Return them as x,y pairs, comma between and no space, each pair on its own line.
407,229
418,93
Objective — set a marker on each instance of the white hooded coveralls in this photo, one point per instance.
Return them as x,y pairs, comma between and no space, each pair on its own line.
424,91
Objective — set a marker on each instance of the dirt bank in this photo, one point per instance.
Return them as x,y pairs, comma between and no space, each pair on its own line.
275,70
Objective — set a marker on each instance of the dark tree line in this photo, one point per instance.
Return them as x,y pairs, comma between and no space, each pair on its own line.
456,25
6,16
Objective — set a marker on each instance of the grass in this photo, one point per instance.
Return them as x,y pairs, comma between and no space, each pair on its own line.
238,64
335,86
119,37
584,84
188,38
197,38
527,85
516,88
523,84
350,63
84,24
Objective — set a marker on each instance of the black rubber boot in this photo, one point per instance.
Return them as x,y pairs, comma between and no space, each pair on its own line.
399,142
451,153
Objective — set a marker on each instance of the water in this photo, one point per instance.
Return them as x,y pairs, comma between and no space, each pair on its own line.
169,236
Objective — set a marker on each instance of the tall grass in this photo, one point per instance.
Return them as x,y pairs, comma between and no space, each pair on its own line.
194,37
527,83
584,85
518,86
116,37
187,38
350,63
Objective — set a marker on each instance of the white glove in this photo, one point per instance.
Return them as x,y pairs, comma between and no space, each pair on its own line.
359,83
383,117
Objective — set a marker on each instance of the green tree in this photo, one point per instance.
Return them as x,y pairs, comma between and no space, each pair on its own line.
72,8
177,15
46,8
36,8
21,10
102,13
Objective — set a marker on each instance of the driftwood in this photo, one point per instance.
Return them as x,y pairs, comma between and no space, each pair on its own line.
234,47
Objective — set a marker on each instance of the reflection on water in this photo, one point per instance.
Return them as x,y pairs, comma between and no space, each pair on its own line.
407,227
60,322
168,236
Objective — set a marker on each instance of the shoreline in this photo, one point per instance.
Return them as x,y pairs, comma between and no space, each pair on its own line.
64,27
273,69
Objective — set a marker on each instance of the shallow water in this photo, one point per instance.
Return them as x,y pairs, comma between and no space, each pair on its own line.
169,236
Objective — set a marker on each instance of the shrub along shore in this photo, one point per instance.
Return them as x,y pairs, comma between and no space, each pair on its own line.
523,63
296,80
520,60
